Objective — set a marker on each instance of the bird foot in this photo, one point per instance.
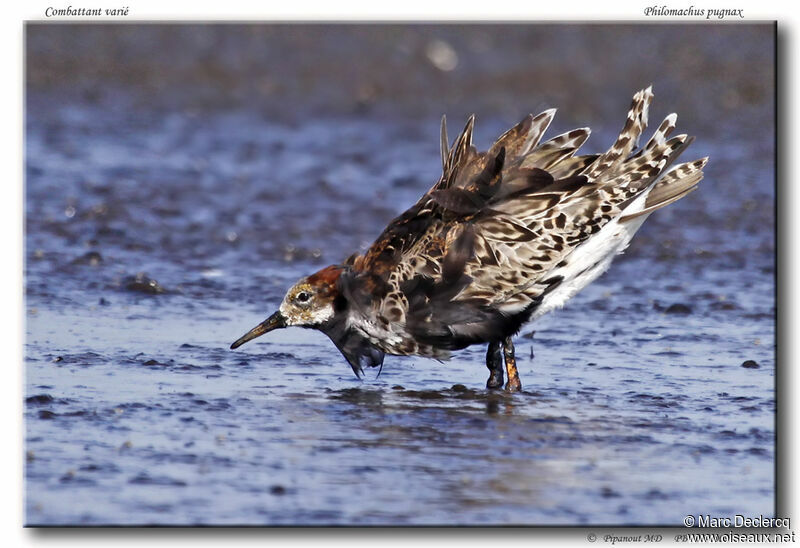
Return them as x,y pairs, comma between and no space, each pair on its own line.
513,385
495,380
498,353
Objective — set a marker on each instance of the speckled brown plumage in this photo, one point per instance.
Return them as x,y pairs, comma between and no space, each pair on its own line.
502,237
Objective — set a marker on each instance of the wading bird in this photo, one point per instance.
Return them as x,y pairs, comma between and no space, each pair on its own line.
503,237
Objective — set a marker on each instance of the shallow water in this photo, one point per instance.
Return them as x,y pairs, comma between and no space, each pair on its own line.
155,236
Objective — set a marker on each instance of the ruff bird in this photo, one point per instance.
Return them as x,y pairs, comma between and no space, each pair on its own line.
503,237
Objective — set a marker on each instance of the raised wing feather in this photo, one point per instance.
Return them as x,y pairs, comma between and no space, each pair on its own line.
475,256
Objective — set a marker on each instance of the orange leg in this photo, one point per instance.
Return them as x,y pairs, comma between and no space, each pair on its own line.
513,384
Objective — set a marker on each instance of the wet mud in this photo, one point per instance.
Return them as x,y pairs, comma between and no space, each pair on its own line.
164,217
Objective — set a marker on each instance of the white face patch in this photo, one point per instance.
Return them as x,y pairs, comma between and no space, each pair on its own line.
321,314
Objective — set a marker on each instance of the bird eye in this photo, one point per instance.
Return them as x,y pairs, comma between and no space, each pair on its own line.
303,296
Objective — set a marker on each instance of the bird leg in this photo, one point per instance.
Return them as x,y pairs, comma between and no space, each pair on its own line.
513,384
494,361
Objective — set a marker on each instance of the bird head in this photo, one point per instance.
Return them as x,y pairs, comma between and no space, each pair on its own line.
308,303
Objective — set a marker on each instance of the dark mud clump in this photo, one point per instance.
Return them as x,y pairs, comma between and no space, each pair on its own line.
142,283
678,308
